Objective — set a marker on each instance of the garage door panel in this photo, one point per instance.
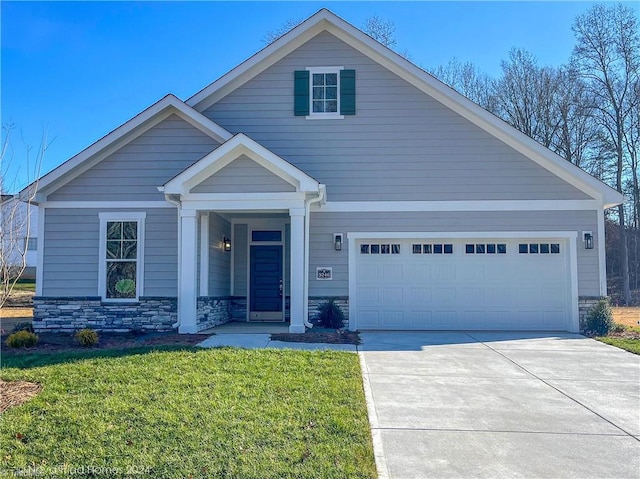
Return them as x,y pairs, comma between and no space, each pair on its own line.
369,272
392,296
418,273
417,288
444,296
419,296
393,273
370,296
444,272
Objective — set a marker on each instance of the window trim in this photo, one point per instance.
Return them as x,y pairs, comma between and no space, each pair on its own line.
323,115
105,217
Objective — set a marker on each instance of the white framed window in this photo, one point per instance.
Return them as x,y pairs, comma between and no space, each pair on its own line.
121,262
324,92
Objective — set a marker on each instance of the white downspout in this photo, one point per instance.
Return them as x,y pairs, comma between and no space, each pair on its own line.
177,205
307,219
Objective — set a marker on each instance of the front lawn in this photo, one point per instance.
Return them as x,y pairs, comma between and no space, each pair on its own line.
189,413
628,344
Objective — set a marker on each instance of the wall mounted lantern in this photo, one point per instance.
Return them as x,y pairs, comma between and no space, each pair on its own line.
226,244
337,241
587,237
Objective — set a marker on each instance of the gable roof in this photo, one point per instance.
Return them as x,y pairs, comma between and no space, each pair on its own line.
324,20
229,151
126,132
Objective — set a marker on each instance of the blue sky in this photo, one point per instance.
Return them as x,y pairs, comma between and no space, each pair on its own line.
77,70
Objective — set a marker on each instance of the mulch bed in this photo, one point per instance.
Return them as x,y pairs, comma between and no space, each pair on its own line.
330,337
14,393
58,342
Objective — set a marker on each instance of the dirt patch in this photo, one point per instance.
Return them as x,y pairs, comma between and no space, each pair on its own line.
20,299
330,337
629,316
57,342
14,393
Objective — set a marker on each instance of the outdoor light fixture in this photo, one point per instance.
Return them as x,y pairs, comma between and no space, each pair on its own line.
587,237
226,244
337,241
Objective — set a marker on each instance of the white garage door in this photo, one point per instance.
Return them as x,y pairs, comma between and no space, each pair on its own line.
474,284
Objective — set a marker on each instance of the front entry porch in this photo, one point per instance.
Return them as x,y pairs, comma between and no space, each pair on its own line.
243,237
243,267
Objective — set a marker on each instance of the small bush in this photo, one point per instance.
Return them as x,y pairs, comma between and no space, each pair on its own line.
22,339
330,315
86,337
26,326
599,321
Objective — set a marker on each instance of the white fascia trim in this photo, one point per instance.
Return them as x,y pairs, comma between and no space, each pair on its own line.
486,205
136,126
105,216
244,205
107,204
462,234
325,20
231,150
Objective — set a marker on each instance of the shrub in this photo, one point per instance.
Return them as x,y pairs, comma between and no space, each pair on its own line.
22,339
330,315
86,337
26,326
599,321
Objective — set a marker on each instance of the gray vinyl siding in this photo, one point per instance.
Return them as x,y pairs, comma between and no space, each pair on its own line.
323,225
135,171
401,145
219,261
72,241
243,176
239,248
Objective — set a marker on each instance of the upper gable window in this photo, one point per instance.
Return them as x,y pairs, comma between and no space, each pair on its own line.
324,89
325,93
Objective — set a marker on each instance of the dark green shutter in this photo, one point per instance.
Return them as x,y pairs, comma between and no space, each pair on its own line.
348,92
301,93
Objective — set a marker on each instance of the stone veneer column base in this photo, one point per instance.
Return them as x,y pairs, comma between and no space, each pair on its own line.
68,314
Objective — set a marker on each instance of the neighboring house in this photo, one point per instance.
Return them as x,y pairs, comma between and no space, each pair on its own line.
19,223
324,166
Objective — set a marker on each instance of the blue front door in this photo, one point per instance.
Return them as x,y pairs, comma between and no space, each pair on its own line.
265,283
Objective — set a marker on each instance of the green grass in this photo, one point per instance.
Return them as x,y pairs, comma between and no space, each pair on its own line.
25,285
190,412
631,345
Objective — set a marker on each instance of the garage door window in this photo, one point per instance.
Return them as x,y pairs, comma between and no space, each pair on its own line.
539,248
380,249
438,248
489,248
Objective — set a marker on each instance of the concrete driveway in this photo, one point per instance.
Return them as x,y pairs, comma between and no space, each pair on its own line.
501,405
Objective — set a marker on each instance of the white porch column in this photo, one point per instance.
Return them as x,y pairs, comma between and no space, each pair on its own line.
204,254
297,270
188,294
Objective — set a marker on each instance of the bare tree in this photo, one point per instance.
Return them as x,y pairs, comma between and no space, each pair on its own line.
468,80
606,55
381,30
288,25
578,135
525,96
15,212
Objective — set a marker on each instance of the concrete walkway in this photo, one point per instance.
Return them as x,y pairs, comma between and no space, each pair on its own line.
501,405
263,340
